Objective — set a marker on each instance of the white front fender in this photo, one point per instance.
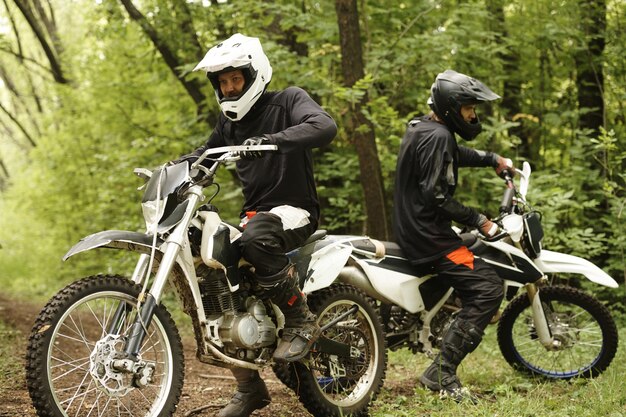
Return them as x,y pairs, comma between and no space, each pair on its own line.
549,262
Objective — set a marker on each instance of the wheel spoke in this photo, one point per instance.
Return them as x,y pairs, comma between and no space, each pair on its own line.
355,332
81,336
577,324
74,363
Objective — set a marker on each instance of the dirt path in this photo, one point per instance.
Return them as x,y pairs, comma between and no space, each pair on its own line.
204,384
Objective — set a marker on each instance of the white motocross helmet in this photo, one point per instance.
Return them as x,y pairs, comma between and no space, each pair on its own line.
243,53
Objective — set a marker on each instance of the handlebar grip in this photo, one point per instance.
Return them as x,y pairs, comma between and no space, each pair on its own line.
507,200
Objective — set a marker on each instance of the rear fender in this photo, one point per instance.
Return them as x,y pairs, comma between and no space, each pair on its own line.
554,262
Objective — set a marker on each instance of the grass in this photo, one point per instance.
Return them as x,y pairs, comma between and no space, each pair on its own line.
503,391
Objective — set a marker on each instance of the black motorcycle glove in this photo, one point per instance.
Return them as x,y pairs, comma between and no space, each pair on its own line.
257,140
503,166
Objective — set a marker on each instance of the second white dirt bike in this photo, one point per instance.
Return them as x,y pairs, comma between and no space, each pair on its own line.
553,331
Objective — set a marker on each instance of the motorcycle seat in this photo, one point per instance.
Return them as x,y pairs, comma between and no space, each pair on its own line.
317,235
378,248
468,239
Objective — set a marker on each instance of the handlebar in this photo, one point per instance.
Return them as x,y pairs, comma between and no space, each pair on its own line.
513,200
231,153
228,154
507,199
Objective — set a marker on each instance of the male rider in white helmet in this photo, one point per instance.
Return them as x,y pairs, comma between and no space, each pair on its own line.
424,208
279,189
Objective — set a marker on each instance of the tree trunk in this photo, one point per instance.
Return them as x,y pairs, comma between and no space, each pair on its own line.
590,79
51,53
17,123
192,87
364,139
4,176
188,30
512,85
4,170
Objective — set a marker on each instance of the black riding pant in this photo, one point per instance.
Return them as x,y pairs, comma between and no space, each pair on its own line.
269,235
476,283
266,239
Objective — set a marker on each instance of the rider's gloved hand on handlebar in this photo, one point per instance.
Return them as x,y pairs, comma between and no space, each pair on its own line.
257,140
487,227
503,166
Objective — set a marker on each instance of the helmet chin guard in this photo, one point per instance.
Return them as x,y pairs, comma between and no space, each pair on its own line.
243,53
449,92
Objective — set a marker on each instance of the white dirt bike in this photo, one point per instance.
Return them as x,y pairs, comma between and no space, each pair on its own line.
106,345
554,331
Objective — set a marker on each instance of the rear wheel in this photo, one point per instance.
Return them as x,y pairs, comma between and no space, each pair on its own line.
76,340
584,332
328,385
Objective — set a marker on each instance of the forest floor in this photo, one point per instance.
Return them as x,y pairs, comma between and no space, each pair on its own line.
206,387
503,392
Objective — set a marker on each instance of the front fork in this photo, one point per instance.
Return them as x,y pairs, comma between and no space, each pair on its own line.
539,318
150,300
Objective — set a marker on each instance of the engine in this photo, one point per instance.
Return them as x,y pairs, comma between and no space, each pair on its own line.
251,329
237,322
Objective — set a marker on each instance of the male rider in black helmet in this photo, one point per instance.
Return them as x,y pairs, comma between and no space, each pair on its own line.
280,201
426,178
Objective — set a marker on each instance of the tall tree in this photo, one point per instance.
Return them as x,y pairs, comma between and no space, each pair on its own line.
590,75
512,85
45,32
19,125
358,127
192,87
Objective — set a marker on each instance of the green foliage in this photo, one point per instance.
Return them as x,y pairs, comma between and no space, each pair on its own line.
342,207
125,108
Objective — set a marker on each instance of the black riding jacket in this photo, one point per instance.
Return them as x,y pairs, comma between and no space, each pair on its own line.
426,178
295,123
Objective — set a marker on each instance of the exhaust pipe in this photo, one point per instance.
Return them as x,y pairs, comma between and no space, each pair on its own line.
355,277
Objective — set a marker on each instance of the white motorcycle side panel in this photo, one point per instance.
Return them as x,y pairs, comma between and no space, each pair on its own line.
397,287
325,265
549,261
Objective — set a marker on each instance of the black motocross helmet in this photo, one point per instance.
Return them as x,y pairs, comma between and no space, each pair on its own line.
449,92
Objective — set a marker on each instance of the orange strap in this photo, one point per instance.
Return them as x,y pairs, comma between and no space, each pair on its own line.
462,256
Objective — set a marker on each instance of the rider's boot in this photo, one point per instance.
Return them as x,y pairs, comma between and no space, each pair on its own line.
461,338
251,394
301,328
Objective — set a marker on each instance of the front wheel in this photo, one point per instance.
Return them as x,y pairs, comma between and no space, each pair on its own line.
78,337
328,385
584,332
